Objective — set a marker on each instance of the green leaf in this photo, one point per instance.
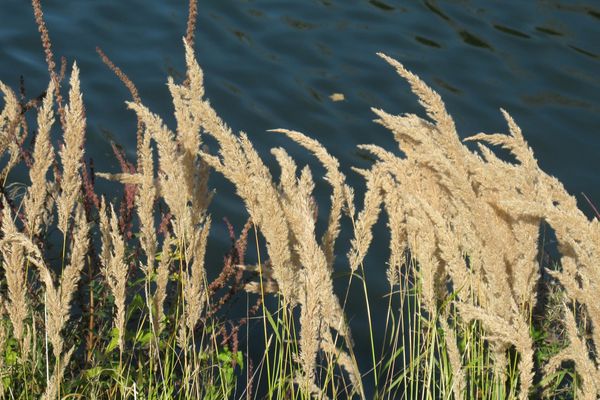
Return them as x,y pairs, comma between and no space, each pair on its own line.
239,359
137,303
143,337
93,372
114,340
224,356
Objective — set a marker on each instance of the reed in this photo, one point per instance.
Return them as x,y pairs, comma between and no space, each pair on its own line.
466,289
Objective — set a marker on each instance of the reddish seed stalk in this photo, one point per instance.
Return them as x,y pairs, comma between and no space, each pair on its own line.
135,95
47,44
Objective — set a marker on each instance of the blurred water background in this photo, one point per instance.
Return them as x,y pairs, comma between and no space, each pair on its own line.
275,64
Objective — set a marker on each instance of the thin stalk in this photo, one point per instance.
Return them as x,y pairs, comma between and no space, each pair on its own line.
262,294
91,322
152,325
371,336
46,339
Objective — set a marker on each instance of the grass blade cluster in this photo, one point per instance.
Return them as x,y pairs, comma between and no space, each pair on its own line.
108,299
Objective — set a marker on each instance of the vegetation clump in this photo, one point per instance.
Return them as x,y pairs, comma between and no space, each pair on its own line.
124,308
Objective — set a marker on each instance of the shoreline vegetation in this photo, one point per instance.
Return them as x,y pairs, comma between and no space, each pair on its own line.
110,299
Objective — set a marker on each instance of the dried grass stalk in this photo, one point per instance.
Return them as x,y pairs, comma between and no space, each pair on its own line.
341,197
3,339
36,202
51,392
13,263
285,214
114,267
146,196
11,131
71,153
194,284
436,198
162,280
58,298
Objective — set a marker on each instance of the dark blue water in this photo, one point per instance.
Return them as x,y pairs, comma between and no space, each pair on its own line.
272,64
